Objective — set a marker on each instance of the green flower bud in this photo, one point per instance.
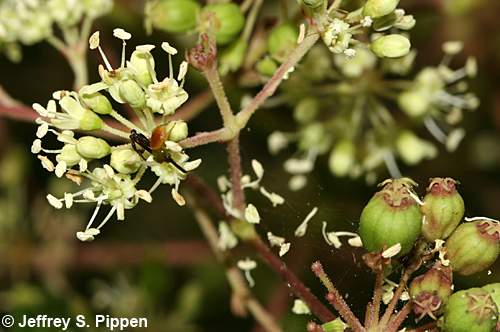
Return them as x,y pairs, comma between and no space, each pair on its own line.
392,216
412,149
132,94
414,102
378,8
176,16
178,130
69,155
336,325
90,121
470,310
142,65
266,66
229,21
474,246
92,147
96,101
342,158
430,291
282,40
306,110
443,209
232,57
391,46
125,160
314,135
83,118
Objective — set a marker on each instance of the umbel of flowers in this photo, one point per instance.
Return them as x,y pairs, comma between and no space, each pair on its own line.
110,175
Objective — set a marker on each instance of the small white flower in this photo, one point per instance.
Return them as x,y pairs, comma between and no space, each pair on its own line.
36,147
68,200
355,242
94,40
300,308
144,195
297,182
61,168
227,240
251,214
42,130
273,197
275,240
284,248
178,198
145,48
257,168
46,163
121,34
392,251
301,230
366,21
169,49
54,201
182,70
276,142
350,52
247,265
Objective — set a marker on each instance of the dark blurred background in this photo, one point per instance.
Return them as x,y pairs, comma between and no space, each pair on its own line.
156,263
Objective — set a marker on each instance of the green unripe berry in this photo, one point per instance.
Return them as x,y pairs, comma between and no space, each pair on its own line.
391,46
82,118
125,160
282,40
266,66
69,155
470,310
92,147
431,290
378,8
90,121
494,291
306,110
342,158
132,94
392,216
176,16
474,246
443,209
228,21
232,57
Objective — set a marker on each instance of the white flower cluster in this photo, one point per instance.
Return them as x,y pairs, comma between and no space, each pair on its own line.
31,21
118,169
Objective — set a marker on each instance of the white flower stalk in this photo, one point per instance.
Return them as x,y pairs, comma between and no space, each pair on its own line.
333,238
302,229
115,180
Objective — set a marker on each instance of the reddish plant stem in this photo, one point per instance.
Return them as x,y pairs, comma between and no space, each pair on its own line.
296,286
397,295
432,326
399,318
369,315
313,327
210,197
377,296
338,302
219,135
234,159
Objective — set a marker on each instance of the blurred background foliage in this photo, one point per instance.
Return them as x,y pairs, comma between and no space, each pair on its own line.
156,264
